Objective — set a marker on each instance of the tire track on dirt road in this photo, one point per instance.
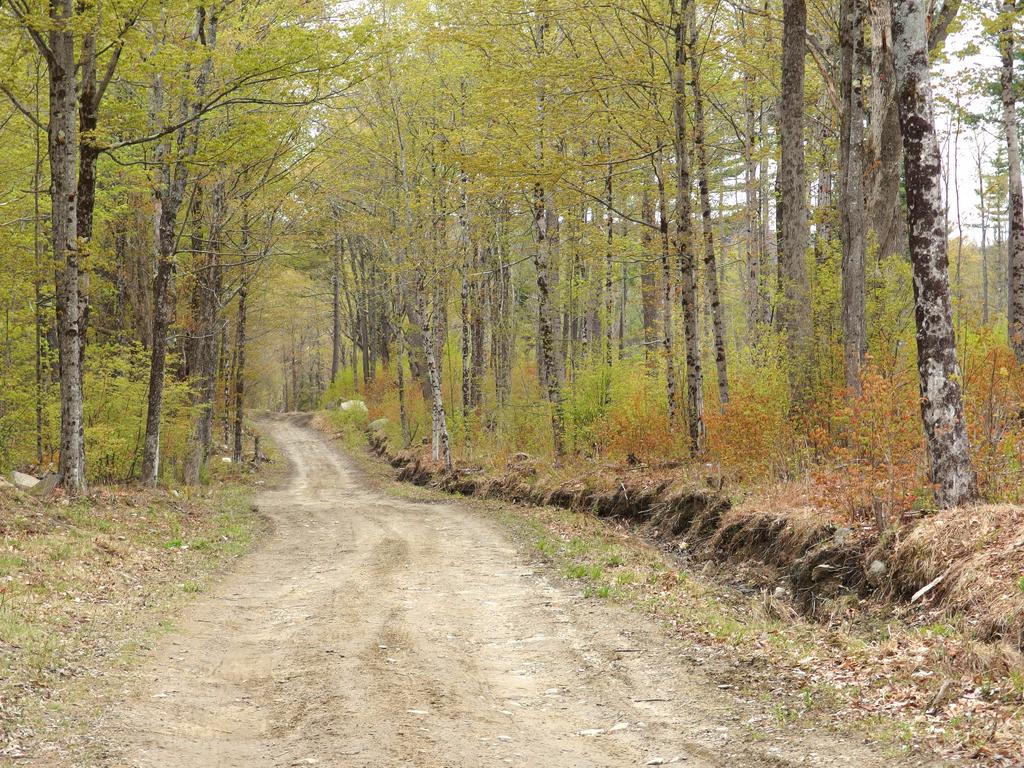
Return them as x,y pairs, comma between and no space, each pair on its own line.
370,631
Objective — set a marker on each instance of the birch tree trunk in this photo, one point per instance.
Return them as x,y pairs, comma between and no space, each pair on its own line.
545,227
795,303
938,369
441,449
851,160
710,268
1015,239
684,241
545,324
667,298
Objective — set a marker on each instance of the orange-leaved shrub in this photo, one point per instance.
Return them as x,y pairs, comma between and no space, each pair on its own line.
994,394
752,437
871,449
635,423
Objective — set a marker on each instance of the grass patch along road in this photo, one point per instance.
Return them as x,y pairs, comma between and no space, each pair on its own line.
85,586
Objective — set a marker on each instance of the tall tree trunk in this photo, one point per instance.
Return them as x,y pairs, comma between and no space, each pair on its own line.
240,342
1015,240
684,241
440,442
503,339
668,296
884,152
623,306
795,305
224,376
90,95
939,372
768,249
851,160
88,153
609,260
984,240
403,409
38,278
364,320
351,305
648,278
336,339
546,327
466,346
478,332
162,307
710,268
169,195
207,303
751,217
63,145
545,228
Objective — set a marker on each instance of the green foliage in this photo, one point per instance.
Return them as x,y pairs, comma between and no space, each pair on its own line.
582,571
890,315
117,380
619,411
350,425
588,400
754,436
342,388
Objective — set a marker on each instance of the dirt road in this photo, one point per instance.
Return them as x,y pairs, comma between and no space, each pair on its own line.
372,631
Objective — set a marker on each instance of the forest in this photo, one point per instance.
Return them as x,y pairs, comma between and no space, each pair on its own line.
650,231
774,247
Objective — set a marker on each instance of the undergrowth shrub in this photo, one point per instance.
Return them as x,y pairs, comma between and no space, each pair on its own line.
117,384
635,422
994,393
871,449
752,437
587,400
350,425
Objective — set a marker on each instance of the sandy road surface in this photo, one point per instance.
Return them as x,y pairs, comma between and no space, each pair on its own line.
372,631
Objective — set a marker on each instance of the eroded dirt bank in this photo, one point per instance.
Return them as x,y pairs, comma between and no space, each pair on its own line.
375,631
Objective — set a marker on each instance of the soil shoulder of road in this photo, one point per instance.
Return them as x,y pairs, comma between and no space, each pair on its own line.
88,586
378,624
750,646
750,642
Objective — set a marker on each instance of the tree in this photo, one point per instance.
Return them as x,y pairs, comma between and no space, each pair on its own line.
795,305
851,161
684,238
55,41
710,269
173,177
939,374
1015,239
